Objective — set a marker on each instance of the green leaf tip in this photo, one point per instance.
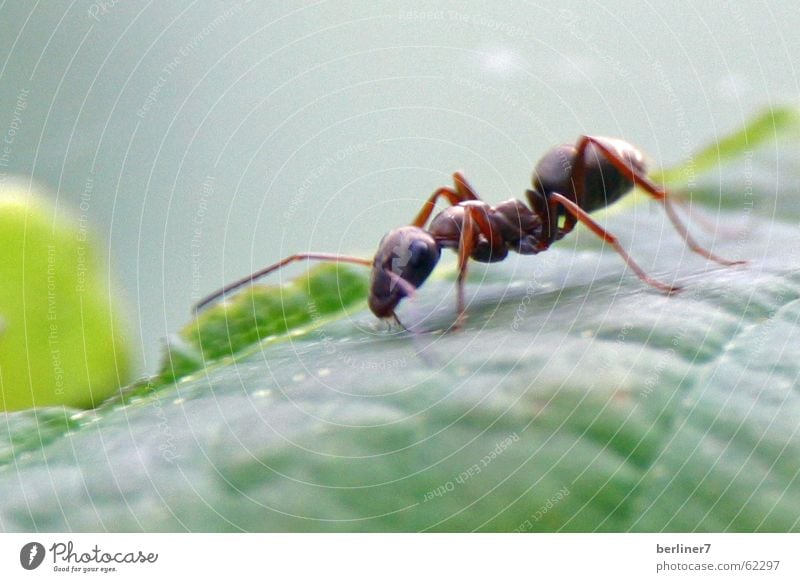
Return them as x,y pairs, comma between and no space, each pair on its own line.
770,124
263,312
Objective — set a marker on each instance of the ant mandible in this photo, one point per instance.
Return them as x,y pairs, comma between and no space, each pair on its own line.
569,182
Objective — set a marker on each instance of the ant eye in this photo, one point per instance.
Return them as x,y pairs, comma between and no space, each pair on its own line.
420,253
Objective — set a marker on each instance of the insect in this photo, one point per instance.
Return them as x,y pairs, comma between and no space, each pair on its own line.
569,182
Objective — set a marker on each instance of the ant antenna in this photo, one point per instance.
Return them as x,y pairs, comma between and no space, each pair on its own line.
252,278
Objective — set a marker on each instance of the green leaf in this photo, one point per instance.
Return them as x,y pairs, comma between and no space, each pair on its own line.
63,338
262,313
576,399
766,128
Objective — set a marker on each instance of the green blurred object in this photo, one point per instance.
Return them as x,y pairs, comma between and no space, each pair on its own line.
575,399
62,339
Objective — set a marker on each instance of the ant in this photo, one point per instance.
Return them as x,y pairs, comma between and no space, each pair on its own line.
569,182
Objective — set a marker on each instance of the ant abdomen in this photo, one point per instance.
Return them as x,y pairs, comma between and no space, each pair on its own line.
604,184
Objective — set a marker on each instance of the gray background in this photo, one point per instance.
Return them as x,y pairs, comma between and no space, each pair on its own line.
218,137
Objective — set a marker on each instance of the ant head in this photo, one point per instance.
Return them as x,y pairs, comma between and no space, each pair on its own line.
405,258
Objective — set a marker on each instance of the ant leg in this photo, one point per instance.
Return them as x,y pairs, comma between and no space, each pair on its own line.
464,188
462,192
583,216
465,247
651,188
701,219
410,292
476,222
400,323
427,209
543,207
408,288
250,279
548,217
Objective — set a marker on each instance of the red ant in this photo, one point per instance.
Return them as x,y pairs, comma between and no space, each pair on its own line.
569,182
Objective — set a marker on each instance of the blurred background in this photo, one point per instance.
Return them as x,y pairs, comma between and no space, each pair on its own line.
203,140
